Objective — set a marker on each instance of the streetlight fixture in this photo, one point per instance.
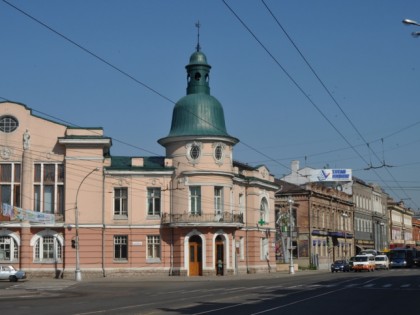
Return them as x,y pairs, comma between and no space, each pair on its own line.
412,22
78,273
291,265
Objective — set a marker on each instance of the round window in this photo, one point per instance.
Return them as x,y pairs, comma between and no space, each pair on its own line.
195,151
8,124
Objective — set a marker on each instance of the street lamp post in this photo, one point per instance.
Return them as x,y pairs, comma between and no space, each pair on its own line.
411,22
291,265
345,216
78,274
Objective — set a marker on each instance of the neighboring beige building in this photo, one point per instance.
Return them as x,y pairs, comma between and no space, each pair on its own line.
401,225
178,214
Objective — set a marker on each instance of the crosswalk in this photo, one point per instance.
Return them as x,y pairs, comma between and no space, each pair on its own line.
361,286
300,287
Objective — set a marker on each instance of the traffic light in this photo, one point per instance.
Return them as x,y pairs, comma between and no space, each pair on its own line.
73,243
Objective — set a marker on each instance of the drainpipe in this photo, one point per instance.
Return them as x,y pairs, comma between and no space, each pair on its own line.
234,254
103,224
246,228
171,256
310,228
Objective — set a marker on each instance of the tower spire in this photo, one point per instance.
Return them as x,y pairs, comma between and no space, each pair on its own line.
197,25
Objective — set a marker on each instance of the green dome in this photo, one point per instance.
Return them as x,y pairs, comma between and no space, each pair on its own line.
198,58
198,113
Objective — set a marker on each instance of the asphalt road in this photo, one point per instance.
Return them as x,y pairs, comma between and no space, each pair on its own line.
307,292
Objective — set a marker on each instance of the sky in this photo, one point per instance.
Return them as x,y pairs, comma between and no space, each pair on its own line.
330,83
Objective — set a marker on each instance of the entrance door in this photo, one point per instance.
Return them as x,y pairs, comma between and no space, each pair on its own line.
195,256
220,261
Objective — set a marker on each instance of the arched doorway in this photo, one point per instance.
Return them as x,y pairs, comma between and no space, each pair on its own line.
195,256
220,257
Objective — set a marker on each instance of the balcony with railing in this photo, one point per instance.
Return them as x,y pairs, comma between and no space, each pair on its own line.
224,219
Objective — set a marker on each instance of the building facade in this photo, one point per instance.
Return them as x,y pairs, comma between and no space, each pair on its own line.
323,223
416,230
70,207
363,216
372,220
400,225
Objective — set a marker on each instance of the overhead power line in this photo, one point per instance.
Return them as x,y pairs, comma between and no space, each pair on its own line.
132,78
383,164
306,95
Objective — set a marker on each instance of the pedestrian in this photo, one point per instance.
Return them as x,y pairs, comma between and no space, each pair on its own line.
220,267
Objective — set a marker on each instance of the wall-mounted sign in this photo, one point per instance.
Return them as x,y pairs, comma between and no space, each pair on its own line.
331,175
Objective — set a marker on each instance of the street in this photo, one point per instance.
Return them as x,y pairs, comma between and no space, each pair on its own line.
306,292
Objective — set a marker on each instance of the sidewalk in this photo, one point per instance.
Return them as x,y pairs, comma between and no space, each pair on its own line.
36,287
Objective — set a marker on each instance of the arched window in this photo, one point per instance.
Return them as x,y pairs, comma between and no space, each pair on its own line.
9,249
264,210
47,246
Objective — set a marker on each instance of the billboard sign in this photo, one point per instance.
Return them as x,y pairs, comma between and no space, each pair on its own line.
331,175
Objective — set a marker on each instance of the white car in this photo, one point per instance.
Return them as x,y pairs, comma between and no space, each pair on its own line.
381,262
7,272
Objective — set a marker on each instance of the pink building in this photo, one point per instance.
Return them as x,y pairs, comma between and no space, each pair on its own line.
71,208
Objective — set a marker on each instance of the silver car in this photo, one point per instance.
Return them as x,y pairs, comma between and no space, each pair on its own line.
8,272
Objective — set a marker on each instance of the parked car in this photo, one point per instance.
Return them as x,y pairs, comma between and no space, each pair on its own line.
381,262
8,272
340,265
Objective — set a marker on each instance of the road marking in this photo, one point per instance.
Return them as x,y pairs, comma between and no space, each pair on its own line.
405,285
387,285
298,301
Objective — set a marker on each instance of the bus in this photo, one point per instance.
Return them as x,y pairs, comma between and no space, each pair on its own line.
402,257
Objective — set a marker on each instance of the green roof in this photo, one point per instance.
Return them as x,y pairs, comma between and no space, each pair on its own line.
150,163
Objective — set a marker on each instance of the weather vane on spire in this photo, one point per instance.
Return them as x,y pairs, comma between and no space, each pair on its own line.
197,25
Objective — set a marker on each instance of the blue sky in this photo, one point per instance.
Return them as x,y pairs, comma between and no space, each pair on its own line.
360,50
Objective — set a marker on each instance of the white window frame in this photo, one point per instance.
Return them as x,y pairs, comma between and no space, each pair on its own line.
195,200
122,199
154,200
13,185
241,203
264,211
218,200
9,245
153,253
40,202
241,248
121,241
264,248
37,242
